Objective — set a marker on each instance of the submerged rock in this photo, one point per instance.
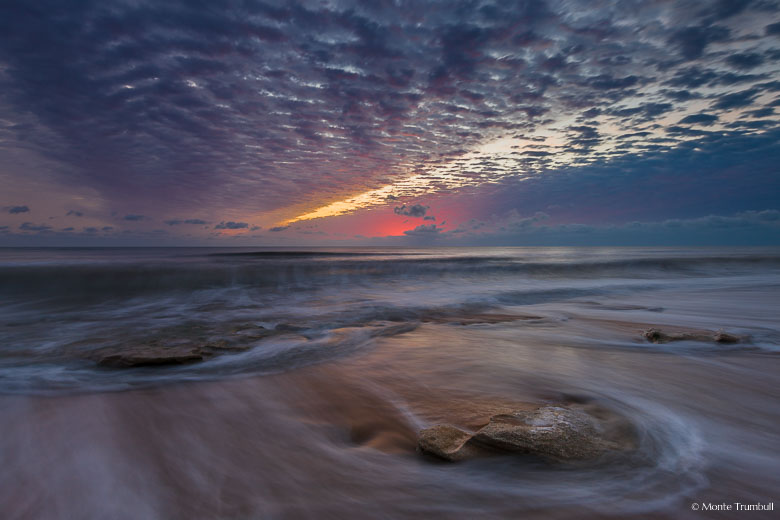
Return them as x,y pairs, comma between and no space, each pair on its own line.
479,318
289,327
659,336
150,355
551,431
446,442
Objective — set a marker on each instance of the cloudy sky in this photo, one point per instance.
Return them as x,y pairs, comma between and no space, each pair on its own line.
389,122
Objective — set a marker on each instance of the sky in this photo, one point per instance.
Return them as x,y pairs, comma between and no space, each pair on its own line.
389,122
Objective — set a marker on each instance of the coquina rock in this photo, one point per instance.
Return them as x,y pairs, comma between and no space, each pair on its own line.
552,432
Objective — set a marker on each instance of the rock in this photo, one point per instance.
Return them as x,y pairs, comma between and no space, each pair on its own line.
725,337
222,345
659,336
550,431
150,355
446,442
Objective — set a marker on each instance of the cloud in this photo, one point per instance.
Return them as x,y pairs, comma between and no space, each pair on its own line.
745,60
429,217
192,221
134,218
516,221
74,213
749,227
175,108
773,29
692,41
424,230
278,228
736,100
18,209
417,210
29,226
231,225
699,119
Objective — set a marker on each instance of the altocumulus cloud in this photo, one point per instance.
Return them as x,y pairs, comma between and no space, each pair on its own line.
18,209
277,98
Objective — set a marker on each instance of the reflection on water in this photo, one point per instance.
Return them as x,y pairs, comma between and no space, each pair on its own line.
318,419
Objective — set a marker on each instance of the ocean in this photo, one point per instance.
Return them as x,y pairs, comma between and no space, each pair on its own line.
316,368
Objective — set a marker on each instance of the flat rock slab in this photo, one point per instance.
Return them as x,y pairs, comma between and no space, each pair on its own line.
142,356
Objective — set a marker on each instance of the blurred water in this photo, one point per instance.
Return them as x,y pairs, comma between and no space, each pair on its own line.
320,421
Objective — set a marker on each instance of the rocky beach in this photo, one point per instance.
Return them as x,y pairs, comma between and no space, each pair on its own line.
491,383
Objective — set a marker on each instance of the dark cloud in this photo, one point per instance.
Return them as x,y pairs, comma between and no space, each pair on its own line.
736,100
29,226
278,228
608,82
761,112
699,119
192,221
691,41
133,218
74,213
416,210
745,60
13,210
424,230
231,225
